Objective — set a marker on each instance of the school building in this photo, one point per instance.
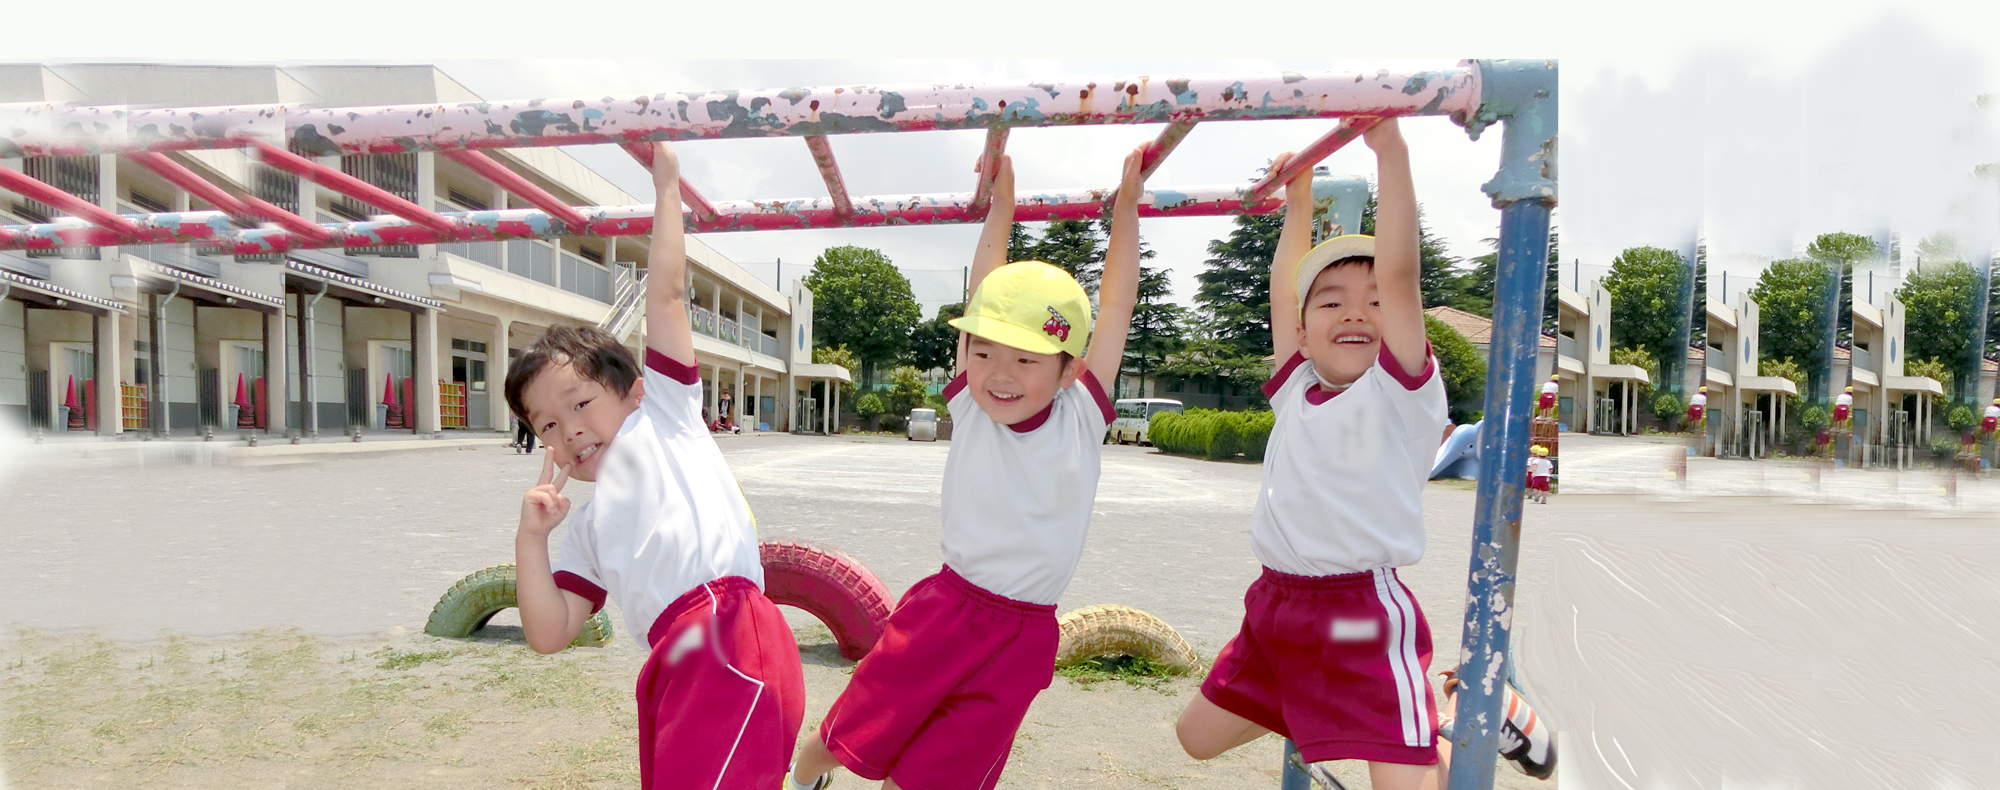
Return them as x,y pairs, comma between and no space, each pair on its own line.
170,341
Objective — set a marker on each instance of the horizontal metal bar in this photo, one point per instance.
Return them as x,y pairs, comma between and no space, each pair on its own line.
246,210
47,129
1312,155
214,227
829,171
521,187
29,186
347,185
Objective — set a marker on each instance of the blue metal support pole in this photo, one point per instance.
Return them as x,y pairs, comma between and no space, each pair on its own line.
1522,94
1293,778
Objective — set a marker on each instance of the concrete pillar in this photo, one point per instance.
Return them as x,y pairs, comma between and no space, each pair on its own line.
423,334
110,396
277,386
757,390
498,414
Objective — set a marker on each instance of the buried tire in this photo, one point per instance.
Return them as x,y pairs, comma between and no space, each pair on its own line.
471,602
831,586
1107,630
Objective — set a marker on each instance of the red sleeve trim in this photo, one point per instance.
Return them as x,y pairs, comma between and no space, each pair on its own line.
566,580
1395,369
952,389
672,368
1097,393
1284,374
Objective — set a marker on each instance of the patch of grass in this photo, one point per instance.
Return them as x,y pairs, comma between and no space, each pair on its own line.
604,763
1134,670
450,724
408,659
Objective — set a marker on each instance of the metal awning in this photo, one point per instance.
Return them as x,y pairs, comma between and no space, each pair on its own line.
42,292
1619,373
356,290
210,290
1912,384
818,370
1768,384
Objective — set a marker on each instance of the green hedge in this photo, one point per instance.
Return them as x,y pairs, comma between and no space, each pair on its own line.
1215,435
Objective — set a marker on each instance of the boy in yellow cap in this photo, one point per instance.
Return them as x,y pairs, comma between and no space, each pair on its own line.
937,702
1334,652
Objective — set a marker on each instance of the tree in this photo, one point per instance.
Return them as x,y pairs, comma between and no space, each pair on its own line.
1645,285
1438,275
934,343
862,302
1020,243
906,390
1791,303
1212,360
1075,246
1235,288
1843,250
1478,282
1156,325
1937,311
1459,363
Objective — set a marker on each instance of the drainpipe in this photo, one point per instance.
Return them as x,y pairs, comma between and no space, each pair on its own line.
162,425
308,392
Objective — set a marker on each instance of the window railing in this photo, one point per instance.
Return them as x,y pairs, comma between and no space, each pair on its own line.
1566,346
707,322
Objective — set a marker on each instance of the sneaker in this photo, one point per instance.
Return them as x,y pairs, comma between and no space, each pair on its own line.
1528,745
1321,775
824,781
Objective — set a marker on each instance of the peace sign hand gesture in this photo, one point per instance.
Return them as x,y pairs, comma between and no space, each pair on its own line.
544,506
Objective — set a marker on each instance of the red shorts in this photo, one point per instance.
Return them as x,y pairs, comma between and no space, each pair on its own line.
1840,412
935,705
723,694
1338,664
1538,482
1694,414
1989,424
1548,401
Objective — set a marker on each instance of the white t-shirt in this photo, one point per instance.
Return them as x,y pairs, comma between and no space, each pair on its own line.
1700,399
1540,467
667,516
1344,472
1017,498
1845,399
1550,388
1993,411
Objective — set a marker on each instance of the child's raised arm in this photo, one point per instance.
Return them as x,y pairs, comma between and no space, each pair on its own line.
992,251
1119,286
1396,249
1294,241
667,328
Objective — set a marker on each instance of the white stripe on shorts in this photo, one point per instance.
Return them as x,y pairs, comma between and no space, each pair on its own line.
1402,649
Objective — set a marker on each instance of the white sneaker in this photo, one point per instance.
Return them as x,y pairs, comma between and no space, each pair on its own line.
824,781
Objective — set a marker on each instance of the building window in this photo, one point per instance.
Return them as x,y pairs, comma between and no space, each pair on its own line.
147,203
462,199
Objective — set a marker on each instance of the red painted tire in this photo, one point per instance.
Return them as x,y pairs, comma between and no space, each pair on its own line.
831,586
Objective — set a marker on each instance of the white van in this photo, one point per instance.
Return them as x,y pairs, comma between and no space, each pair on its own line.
1134,415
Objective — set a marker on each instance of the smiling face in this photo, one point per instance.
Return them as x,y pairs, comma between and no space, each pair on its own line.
577,417
1341,333
1011,385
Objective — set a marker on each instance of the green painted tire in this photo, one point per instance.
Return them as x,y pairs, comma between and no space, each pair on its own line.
471,602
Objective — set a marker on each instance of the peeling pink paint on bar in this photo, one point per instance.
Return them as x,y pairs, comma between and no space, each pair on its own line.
829,171
520,187
50,129
1169,139
982,190
690,199
216,228
1348,131
26,185
348,185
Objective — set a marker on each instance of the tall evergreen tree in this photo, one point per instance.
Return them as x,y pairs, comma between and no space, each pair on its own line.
1235,287
1075,246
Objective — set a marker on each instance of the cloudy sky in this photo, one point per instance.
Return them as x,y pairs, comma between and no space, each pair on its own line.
1742,120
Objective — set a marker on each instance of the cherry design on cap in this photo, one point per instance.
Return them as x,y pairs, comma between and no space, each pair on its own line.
1057,325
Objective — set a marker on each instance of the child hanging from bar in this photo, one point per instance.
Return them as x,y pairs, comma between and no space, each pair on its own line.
1334,650
668,535
936,704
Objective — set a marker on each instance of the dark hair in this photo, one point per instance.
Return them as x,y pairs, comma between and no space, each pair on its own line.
1365,260
594,353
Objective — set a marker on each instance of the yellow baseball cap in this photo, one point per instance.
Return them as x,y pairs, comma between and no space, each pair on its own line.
1031,306
1538,450
1353,245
